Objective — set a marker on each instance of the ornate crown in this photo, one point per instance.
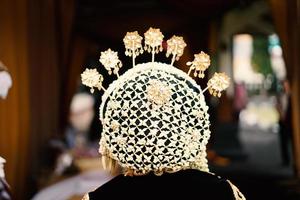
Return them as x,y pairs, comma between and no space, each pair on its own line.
154,115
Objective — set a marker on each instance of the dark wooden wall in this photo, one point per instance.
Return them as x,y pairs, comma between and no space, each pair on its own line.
44,58
31,47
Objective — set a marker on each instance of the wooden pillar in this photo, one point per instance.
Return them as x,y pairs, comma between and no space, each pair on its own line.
286,15
294,41
15,110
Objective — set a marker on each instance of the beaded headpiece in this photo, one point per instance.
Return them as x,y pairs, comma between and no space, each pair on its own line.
154,116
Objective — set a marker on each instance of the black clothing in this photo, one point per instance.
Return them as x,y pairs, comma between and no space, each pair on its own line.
285,133
184,184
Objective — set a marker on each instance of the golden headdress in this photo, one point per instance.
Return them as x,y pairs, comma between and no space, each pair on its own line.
154,116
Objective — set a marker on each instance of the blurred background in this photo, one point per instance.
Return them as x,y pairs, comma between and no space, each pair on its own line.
49,127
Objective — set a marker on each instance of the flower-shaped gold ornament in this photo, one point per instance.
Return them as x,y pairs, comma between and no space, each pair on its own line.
153,41
133,45
200,63
218,83
158,92
110,60
92,79
176,47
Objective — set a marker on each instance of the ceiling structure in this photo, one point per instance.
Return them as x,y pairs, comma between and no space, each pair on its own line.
106,22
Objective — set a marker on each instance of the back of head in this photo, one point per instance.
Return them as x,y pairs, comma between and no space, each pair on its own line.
155,120
154,116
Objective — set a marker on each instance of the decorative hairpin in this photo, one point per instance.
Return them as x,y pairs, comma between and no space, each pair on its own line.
110,61
176,47
218,83
199,64
133,45
153,41
92,79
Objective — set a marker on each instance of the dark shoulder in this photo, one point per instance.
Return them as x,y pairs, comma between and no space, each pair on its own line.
186,183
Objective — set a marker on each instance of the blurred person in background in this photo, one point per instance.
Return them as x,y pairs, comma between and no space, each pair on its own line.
5,85
240,100
5,81
285,126
81,115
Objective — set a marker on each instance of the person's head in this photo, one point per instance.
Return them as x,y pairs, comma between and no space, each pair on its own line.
5,81
82,111
154,116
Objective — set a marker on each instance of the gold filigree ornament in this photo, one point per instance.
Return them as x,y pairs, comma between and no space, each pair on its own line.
176,47
200,63
110,60
133,45
92,79
158,92
218,83
153,41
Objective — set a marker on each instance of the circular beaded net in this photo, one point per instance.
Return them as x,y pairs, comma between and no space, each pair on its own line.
155,119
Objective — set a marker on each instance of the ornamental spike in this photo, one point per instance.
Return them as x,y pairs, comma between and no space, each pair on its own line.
218,83
92,79
133,45
110,60
176,47
200,63
153,41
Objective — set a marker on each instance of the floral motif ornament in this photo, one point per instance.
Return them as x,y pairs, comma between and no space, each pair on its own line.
133,45
110,60
158,92
153,41
176,47
218,83
92,79
200,63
